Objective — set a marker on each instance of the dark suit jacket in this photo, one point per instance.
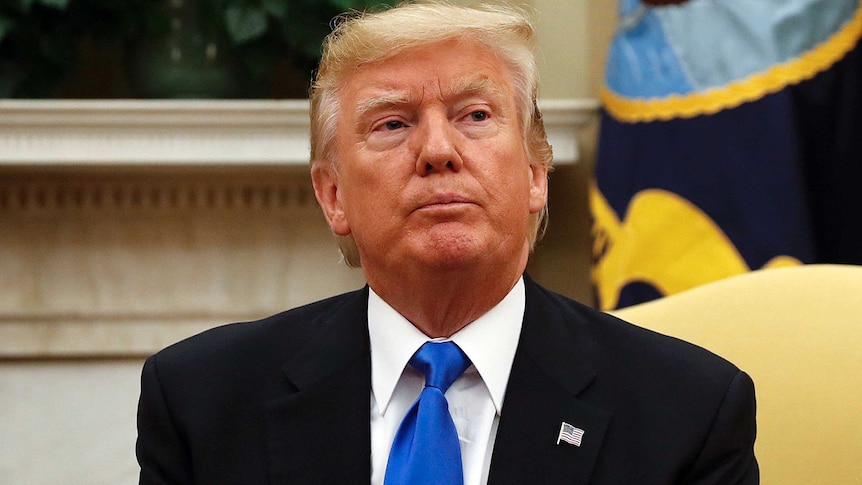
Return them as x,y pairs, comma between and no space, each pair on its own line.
287,400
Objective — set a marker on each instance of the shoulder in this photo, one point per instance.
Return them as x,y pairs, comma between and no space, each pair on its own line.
274,338
622,347
657,387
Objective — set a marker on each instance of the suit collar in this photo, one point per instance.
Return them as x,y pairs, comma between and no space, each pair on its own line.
548,375
550,342
324,419
341,338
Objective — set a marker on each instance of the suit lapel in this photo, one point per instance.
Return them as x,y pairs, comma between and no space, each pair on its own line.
547,377
319,433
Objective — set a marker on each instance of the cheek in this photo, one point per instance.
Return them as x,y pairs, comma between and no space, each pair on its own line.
511,174
509,196
526,196
369,198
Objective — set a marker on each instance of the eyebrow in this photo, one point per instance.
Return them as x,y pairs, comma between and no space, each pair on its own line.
382,102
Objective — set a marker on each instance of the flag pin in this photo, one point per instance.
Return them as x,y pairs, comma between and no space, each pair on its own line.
570,434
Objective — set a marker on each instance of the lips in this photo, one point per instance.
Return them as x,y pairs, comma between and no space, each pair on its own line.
444,200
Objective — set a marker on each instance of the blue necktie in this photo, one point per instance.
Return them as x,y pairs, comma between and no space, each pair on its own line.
426,448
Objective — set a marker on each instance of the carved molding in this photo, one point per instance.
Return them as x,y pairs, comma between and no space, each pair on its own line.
153,132
67,195
96,265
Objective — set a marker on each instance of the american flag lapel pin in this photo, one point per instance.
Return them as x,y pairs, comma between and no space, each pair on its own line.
570,434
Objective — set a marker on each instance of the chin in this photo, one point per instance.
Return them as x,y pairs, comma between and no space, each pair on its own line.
454,252
450,262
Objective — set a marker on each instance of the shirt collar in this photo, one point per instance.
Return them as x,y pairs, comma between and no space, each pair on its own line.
489,342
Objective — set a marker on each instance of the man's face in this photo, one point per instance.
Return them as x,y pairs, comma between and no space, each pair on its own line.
431,166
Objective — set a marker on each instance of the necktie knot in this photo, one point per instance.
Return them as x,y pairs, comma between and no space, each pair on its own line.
441,363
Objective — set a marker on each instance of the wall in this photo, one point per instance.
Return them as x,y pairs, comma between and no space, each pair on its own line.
573,35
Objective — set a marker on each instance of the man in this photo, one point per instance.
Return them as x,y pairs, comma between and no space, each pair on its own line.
430,162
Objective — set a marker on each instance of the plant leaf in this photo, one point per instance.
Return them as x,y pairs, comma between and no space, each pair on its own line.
58,4
245,24
345,5
276,8
6,25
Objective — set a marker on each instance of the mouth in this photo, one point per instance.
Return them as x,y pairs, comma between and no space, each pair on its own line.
444,201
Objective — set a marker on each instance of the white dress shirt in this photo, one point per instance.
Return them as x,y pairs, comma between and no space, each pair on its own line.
475,399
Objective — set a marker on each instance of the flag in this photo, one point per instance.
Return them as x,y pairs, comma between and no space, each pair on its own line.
570,434
731,140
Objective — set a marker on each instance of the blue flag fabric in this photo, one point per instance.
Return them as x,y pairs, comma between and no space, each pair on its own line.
731,140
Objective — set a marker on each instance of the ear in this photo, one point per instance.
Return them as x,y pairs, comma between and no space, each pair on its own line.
324,177
538,187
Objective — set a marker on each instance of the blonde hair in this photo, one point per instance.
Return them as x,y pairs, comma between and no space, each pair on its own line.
362,38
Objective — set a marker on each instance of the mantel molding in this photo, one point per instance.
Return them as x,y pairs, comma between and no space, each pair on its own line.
196,133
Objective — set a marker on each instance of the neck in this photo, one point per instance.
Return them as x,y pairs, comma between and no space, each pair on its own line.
441,302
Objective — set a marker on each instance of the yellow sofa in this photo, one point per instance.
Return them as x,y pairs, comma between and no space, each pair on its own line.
798,332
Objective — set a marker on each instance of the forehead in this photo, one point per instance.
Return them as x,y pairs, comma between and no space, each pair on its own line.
443,70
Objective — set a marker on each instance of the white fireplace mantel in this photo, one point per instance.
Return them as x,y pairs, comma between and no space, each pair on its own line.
191,133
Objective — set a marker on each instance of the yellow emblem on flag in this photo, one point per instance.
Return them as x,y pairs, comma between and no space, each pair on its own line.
663,240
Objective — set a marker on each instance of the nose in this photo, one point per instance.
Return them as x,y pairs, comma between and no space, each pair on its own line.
437,147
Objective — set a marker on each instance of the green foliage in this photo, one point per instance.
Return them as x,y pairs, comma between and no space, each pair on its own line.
58,4
40,39
6,25
277,25
244,25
